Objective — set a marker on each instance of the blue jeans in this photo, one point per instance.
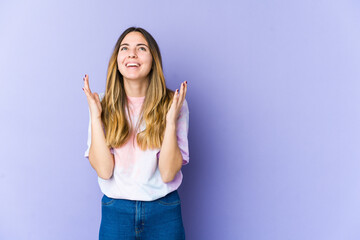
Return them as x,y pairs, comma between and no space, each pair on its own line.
123,219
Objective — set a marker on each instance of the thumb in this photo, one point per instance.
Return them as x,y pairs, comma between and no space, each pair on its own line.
96,97
97,100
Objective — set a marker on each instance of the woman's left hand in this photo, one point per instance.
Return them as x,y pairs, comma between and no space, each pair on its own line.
173,113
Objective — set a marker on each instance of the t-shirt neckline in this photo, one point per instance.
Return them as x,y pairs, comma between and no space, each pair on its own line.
136,99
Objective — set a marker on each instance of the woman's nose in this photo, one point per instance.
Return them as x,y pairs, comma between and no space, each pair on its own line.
132,54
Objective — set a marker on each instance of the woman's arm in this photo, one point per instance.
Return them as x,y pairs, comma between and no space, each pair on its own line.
100,156
170,160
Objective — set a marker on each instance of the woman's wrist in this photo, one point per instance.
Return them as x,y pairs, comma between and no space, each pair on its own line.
96,120
170,124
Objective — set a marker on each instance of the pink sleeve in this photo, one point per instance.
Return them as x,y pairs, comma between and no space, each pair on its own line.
86,154
182,130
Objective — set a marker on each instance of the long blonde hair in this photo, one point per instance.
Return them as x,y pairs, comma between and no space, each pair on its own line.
156,104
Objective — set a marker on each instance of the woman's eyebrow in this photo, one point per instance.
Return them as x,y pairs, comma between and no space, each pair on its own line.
142,44
139,44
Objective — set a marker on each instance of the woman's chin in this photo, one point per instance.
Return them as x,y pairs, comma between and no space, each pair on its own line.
133,77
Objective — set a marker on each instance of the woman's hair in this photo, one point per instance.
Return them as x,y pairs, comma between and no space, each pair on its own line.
156,104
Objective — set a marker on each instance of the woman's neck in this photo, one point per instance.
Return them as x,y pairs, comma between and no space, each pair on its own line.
136,88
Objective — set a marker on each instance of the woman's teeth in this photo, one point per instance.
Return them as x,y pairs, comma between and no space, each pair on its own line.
132,65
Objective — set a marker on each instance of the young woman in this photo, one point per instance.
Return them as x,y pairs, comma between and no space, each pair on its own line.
137,143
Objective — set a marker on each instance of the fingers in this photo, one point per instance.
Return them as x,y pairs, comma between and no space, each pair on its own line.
90,96
86,85
185,88
97,100
182,93
180,96
96,96
176,97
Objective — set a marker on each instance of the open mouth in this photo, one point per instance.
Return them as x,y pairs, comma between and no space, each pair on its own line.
132,65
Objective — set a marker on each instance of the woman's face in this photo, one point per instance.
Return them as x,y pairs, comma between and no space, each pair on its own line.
134,58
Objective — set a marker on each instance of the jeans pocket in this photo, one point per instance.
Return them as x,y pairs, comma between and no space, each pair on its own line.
171,199
107,200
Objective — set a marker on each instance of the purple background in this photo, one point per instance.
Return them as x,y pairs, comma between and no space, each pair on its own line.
274,114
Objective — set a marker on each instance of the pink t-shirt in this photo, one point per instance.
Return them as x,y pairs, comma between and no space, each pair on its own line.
136,174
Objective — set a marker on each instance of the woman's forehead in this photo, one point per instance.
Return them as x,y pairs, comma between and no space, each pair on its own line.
134,38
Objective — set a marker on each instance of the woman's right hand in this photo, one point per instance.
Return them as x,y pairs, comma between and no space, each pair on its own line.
93,99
